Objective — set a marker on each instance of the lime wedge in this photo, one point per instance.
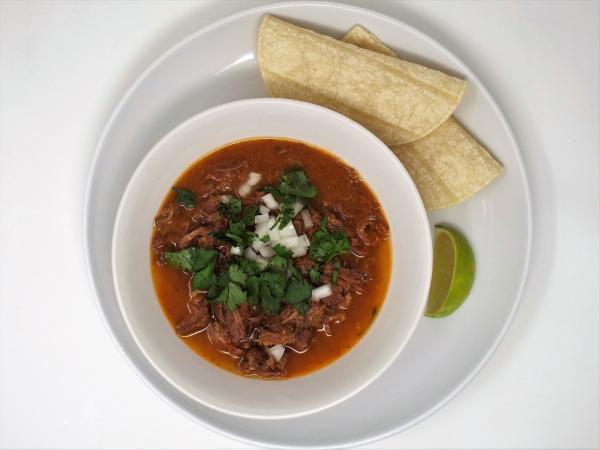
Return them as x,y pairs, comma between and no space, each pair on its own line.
453,272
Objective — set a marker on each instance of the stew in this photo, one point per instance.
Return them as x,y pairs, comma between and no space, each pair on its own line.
270,257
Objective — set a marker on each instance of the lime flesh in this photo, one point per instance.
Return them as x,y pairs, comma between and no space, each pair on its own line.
453,272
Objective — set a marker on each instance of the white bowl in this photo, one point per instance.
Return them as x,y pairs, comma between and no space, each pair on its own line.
411,258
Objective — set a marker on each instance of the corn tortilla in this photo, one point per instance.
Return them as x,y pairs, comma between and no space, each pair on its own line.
397,100
448,165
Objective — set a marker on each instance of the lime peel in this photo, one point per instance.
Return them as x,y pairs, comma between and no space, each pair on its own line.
453,272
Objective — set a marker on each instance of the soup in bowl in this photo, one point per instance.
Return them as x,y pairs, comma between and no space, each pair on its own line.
271,258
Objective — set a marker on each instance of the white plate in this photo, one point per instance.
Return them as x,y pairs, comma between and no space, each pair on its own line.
217,65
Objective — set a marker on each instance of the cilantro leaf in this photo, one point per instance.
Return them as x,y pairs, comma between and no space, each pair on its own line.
237,275
298,291
302,307
249,217
285,216
269,302
265,238
335,272
278,264
232,295
236,234
272,290
232,209
253,286
190,259
283,251
326,245
184,197
292,186
250,268
295,183
203,279
295,272
315,274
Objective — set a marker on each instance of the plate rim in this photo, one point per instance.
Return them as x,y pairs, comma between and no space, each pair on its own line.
271,7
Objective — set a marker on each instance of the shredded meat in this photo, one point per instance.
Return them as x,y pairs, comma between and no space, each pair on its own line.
304,264
200,236
348,280
268,338
196,320
236,322
219,336
257,361
371,230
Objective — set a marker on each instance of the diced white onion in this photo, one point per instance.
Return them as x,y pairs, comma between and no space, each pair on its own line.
277,352
253,178
262,262
236,251
244,189
304,240
262,229
306,219
298,251
225,198
290,241
274,234
288,231
263,209
266,251
270,201
249,254
297,207
322,292
261,218
257,244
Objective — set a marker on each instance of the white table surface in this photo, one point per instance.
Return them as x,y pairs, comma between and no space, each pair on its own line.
63,67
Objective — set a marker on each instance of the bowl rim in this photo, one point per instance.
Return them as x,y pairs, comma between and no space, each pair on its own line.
420,212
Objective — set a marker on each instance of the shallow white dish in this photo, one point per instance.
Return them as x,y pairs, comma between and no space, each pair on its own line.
497,222
409,280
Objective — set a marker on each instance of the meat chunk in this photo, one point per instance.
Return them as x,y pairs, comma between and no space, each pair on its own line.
220,338
200,236
304,264
348,279
236,323
258,361
197,318
282,336
315,314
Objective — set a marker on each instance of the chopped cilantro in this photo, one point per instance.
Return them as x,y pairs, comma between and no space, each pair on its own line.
203,279
294,272
272,290
298,291
265,238
250,268
232,209
335,272
232,295
253,286
326,245
190,259
283,251
315,274
249,216
292,187
278,264
184,197
285,216
237,275
302,307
